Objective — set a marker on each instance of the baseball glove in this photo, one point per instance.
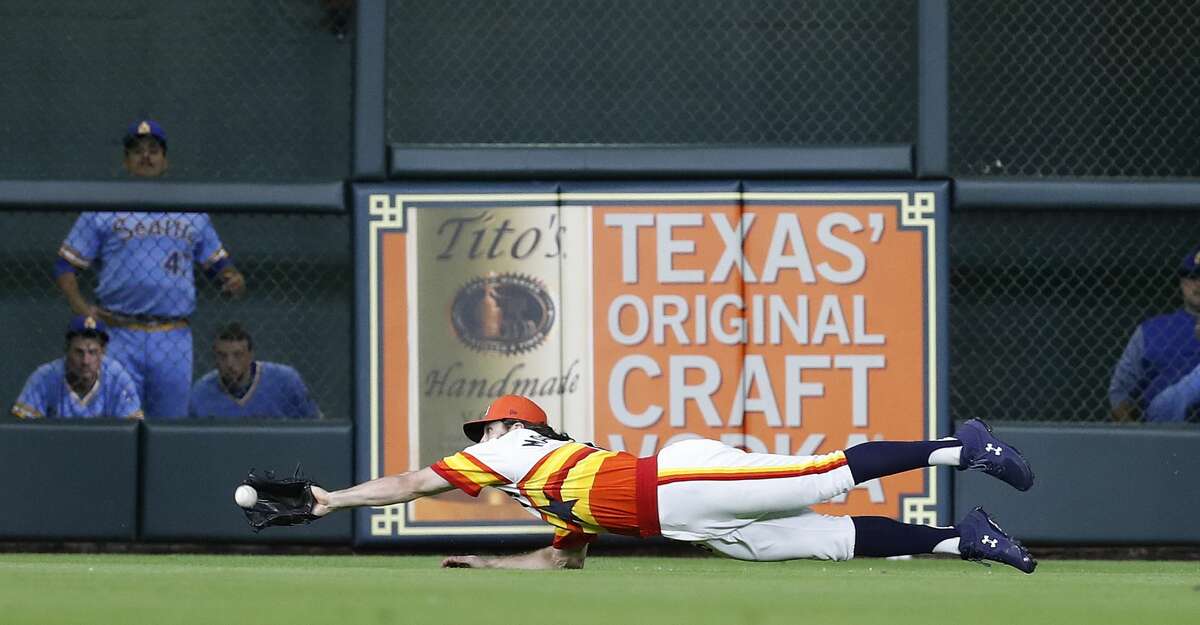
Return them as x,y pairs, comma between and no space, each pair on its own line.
286,501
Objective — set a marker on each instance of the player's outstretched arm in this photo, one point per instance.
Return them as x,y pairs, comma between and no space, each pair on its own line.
546,558
383,491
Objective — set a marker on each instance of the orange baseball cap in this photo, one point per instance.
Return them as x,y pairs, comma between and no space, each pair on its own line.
505,407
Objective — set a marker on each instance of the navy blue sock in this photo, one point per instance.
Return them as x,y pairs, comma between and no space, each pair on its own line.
879,458
880,537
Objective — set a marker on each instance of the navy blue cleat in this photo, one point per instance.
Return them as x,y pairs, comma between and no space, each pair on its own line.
981,539
981,450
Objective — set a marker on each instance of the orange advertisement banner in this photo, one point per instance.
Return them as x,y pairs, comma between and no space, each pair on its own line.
789,328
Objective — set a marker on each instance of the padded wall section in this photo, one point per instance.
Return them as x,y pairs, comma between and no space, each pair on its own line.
69,480
1104,484
190,472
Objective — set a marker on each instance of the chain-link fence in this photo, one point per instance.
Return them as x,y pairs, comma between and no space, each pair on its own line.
1043,303
247,91
630,71
297,304
1074,88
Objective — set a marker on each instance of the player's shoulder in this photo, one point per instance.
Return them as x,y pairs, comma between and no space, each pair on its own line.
54,369
45,382
207,382
525,438
85,222
1174,321
197,219
515,451
209,378
1174,315
278,369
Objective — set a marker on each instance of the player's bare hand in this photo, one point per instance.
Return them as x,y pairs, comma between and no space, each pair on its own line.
321,497
233,283
463,562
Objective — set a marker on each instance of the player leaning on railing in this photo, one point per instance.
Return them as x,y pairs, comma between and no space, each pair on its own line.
748,506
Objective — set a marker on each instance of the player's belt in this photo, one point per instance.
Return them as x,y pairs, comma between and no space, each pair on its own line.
146,323
646,495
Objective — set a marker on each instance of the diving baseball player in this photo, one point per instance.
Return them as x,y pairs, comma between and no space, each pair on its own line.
146,289
83,384
748,506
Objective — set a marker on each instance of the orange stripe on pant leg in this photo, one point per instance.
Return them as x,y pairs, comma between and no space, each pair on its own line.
753,473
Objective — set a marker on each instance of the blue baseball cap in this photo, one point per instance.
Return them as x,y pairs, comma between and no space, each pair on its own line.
1190,268
87,325
143,128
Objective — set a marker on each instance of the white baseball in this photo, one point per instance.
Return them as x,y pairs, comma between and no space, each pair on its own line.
245,496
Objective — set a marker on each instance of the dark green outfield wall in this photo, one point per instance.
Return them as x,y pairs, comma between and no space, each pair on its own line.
1096,485
117,481
161,482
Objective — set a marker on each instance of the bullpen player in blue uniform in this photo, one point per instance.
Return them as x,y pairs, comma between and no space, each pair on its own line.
241,386
146,290
83,384
1161,358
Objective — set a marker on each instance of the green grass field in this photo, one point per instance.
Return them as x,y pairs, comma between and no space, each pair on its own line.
49,589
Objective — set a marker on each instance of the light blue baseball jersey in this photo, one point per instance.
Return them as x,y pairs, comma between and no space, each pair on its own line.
1178,401
46,394
276,392
144,260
